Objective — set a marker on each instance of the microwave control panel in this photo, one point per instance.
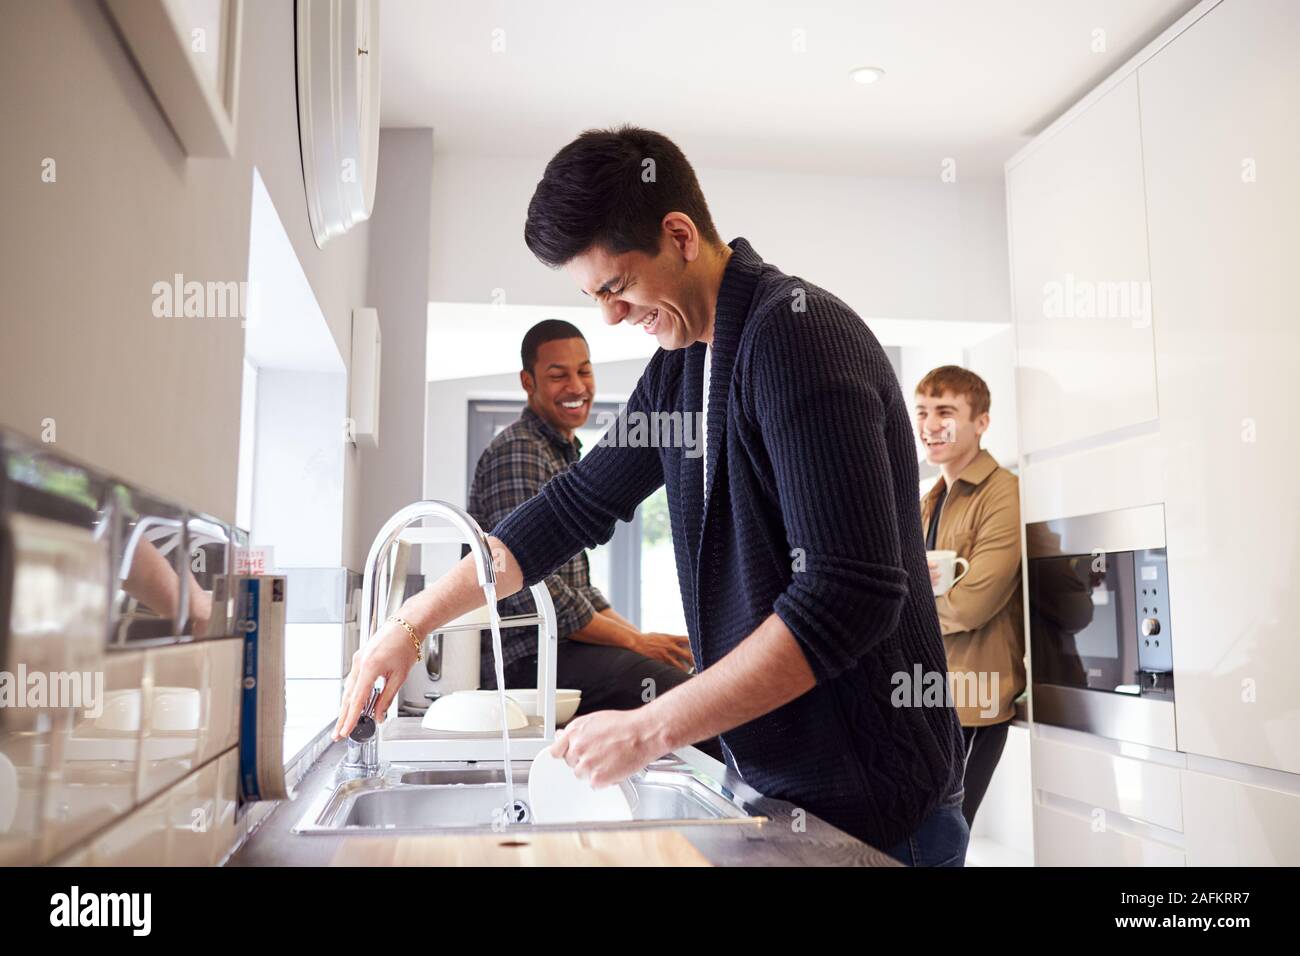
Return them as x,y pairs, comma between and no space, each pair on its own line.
1151,600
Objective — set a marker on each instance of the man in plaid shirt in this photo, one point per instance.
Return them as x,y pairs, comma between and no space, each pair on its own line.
616,666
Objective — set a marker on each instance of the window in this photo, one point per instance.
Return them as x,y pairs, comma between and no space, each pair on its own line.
636,569
661,595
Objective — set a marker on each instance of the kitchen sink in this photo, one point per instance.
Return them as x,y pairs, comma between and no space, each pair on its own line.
469,796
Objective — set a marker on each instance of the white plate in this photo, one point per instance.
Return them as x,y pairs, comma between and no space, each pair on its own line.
556,795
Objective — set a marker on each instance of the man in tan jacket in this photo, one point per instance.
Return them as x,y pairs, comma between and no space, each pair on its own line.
974,509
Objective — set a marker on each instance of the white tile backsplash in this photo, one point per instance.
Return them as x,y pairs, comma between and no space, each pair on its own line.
138,839
177,708
192,817
93,777
192,823
225,673
225,831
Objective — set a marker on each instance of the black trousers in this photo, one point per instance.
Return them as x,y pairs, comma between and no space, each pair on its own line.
610,678
983,751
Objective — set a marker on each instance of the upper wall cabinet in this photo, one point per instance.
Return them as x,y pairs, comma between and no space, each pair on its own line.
1222,147
188,51
1080,279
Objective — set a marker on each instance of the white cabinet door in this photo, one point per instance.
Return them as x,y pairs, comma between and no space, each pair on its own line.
1222,152
1230,823
1062,838
1078,238
1140,789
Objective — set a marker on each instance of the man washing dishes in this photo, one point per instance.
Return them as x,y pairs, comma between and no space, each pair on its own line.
974,510
599,652
797,535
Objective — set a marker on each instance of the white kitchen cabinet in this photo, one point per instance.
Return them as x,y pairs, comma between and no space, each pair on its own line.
1139,789
1106,477
1232,823
1103,802
1080,278
1065,838
1222,151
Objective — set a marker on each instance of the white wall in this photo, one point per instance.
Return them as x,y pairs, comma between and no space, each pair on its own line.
994,361
298,467
154,400
892,248
399,278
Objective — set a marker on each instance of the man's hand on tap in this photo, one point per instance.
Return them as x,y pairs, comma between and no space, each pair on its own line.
391,652
390,655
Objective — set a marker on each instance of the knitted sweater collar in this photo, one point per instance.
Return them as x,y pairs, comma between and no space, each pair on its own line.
735,299
739,279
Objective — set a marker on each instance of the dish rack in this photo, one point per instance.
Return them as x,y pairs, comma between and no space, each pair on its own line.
404,739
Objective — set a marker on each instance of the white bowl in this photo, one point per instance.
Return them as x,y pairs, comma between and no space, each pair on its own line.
472,712
121,713
566,703
174,709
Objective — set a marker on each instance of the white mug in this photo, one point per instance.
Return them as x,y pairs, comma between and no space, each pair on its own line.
947,562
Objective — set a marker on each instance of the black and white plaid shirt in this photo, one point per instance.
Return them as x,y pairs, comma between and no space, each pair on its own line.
526,455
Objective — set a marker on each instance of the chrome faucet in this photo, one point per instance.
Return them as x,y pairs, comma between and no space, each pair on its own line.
362,759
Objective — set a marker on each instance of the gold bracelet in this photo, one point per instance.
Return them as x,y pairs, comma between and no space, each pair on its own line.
415,638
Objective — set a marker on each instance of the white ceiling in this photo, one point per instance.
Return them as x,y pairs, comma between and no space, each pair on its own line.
966,79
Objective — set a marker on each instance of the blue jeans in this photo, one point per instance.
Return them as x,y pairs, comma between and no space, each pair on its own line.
941,838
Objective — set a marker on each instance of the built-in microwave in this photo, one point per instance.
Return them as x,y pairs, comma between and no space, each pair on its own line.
1101,641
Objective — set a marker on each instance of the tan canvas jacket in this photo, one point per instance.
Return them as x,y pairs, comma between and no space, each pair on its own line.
981,617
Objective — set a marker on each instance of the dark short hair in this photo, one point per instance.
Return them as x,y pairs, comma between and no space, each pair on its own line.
599,191
958,381
547,330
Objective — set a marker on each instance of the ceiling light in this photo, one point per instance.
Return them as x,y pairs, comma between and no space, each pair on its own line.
866,74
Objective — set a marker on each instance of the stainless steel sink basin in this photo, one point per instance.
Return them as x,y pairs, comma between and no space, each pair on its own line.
446,797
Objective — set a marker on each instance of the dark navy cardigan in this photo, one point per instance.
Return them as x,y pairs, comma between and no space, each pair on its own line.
814,513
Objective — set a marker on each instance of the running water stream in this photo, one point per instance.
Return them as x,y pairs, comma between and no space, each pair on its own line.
490,592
